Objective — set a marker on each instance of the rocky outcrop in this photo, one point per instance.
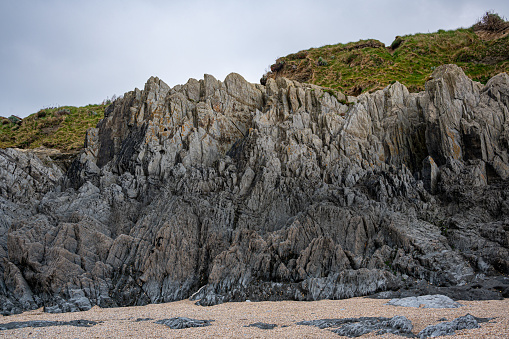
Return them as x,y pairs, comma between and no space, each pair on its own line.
426,301
449,328
356,327
46,323
398,325
227,191
178,323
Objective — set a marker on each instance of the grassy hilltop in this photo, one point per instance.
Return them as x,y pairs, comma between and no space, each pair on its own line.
367,65
62,128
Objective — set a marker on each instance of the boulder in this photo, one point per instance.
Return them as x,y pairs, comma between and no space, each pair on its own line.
449,328
426,301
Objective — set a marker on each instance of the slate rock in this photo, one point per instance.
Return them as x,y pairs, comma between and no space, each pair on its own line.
426,301
44,323
262,326
183,322
483,288
430,174
355,327
448,328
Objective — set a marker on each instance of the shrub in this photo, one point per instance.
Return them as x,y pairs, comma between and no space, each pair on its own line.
351,57
297,56
62,112
263,80
397,42
277,66
465,55
14,119
491,22
321,62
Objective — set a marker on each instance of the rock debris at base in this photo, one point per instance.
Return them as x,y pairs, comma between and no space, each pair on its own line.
355,327
183,322
262,326
400,325
449,328
231,191
43,323
425,301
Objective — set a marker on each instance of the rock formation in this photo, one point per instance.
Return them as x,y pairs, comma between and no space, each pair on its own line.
178,323
227,191
449,328
355,327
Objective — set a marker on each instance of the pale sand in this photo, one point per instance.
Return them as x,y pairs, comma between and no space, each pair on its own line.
230,319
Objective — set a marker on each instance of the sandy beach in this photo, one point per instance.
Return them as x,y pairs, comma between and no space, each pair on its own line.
231,319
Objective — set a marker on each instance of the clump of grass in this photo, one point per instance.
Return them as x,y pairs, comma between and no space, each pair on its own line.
322,62
277,66
62,128
397,42
368,65
297,56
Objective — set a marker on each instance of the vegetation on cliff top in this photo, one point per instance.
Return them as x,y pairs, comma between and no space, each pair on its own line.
62,128
482,51
367,65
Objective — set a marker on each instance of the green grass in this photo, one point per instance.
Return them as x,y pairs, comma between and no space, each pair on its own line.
62,128
368,65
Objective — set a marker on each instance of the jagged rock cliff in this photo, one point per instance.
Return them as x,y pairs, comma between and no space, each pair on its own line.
226,191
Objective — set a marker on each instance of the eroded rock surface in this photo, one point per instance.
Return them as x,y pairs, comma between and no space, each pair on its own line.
230,191
355,327
183,322
449,328
426,301
46,323
262,326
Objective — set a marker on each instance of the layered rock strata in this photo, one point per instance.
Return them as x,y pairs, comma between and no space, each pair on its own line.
227,191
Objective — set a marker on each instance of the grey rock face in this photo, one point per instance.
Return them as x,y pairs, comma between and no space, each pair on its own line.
263,326
183,322
448,328
44,323
426,301
355,327
26,177
230,191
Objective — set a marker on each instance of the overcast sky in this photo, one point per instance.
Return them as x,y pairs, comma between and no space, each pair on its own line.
70,52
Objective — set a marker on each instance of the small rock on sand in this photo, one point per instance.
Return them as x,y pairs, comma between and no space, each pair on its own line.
426,301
